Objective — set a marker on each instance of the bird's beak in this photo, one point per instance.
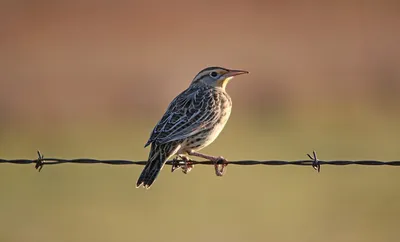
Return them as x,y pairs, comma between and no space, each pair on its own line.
232,73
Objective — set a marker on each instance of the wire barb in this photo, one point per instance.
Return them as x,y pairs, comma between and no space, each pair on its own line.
39,161
315,162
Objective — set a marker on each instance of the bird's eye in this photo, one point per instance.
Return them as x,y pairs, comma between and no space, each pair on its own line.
213,74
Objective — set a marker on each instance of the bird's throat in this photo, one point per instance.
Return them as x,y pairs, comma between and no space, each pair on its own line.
223,82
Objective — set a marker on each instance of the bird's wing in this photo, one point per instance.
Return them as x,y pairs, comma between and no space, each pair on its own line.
191,112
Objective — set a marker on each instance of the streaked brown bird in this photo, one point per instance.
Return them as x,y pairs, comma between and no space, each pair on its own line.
192,121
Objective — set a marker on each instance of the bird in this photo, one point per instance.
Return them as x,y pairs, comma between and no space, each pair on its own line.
192,121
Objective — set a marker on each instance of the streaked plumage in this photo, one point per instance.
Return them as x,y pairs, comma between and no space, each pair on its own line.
191,122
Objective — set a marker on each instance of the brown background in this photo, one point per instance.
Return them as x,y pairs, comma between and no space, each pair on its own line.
91,79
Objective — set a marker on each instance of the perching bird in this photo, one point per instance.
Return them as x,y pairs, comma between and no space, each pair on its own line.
191,122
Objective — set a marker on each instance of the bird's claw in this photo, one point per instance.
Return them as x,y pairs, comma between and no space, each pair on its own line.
187,167
220,164
182,162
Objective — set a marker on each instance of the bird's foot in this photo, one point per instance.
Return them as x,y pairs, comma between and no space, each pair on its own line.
220,164
182,162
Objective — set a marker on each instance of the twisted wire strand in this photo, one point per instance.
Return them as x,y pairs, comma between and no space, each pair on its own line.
313,161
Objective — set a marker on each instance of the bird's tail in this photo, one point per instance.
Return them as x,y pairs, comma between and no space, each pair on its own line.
159,154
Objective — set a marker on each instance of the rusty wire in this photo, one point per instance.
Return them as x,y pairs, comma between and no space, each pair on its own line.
313,161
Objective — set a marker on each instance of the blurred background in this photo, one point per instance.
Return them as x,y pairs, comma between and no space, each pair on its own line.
91,79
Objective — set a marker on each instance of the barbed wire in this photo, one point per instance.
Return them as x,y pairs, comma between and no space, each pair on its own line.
176,163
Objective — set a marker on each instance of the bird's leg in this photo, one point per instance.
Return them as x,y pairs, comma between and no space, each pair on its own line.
186,167
219,162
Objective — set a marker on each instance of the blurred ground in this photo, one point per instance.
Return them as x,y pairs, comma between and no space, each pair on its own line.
92,79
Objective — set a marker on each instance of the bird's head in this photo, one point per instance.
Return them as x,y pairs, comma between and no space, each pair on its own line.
216,76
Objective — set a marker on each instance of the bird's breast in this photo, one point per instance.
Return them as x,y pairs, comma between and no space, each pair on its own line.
209,134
